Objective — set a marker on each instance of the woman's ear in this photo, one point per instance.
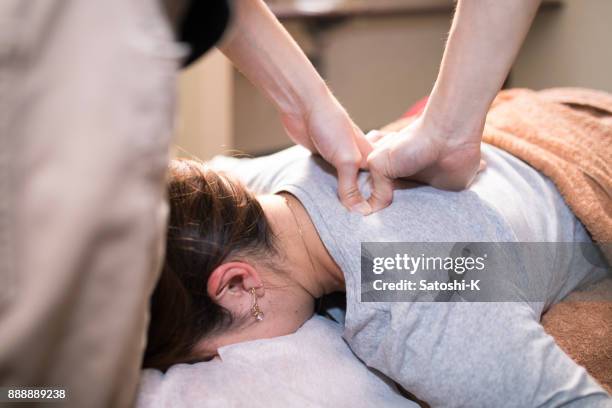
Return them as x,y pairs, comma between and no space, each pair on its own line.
232,278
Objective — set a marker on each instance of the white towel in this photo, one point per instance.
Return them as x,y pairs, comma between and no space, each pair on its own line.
310,368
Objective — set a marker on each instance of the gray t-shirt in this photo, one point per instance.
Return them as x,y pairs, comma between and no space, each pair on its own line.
459,353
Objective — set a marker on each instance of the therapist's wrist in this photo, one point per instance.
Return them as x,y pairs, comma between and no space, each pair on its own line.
304,96
454,123
300,118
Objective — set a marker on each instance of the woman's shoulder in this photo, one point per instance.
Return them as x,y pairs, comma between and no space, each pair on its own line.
262,174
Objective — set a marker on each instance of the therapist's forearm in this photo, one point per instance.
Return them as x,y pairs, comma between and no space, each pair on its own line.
260,47
484,41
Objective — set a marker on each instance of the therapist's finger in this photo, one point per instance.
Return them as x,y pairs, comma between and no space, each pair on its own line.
381,185
382,191
348,189
365,148
482,166
374,136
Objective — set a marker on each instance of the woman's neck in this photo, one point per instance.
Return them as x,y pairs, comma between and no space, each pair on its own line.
303,251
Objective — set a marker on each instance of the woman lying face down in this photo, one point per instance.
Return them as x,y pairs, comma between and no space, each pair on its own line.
237,268
240,267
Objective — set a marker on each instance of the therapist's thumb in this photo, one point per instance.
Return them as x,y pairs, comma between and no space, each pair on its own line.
381,183
348,189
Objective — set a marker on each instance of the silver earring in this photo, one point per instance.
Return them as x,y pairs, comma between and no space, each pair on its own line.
255,310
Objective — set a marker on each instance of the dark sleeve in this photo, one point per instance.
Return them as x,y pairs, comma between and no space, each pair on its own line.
203,24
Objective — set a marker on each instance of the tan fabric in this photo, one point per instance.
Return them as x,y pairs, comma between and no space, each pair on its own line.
566,134
582,326
86,109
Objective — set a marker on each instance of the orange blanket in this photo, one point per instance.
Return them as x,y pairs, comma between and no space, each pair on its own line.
582,326
566,134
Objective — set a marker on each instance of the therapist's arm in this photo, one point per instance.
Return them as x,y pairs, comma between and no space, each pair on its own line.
265,53
442,147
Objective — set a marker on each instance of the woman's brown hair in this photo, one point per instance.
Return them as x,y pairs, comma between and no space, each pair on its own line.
212,219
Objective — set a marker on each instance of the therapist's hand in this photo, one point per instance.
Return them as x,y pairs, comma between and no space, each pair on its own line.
325,128
260,47
442,147
425,153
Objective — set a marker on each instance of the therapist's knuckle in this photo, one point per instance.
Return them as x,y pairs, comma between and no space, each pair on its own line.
350,195
379,162
393,163
383,196
373,160
379,201
348,160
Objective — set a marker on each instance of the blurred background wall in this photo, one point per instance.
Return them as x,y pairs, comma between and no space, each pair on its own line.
378,57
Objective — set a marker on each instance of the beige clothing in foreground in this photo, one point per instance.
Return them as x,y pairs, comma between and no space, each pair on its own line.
86,105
